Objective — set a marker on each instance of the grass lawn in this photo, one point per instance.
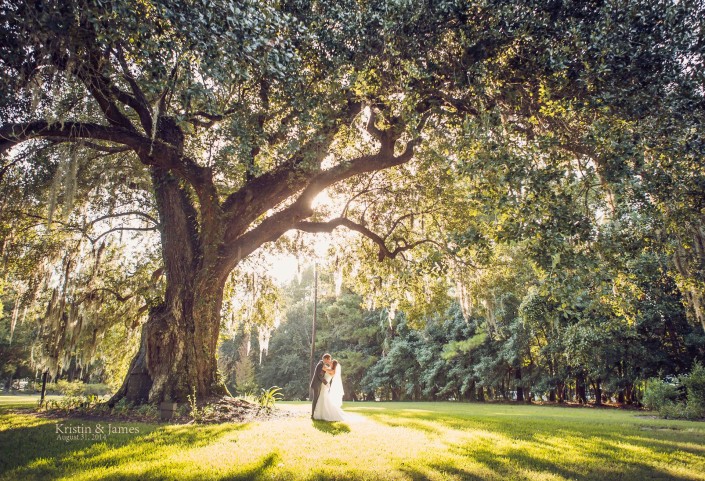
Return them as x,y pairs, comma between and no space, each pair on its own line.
410,441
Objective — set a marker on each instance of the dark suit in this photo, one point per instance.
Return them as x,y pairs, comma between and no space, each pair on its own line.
317,381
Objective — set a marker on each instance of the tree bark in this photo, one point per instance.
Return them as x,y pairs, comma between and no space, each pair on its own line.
177,353
560,390
520,388
580,390
177,350
472,392
8,385
597,388
45,375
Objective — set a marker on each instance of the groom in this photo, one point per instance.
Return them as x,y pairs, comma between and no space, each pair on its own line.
318,380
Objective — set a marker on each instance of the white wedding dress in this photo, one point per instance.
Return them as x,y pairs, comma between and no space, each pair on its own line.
328,407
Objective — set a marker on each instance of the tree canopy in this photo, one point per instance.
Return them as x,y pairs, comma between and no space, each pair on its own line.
443,128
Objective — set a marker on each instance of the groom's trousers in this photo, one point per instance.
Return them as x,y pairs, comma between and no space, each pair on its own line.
315,394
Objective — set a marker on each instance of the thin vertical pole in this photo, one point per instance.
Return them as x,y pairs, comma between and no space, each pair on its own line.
315,310
45,375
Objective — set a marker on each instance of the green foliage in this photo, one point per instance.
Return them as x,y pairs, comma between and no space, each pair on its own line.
123,406
69,388
534,345
73,403
456,348
659,393
287,361
147,411
245,381
73,388
680,410
269,397
195,412
694,383
665,397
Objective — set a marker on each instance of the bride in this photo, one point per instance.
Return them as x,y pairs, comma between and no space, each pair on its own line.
329,404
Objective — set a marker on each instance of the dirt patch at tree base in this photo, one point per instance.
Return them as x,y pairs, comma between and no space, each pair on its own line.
214,410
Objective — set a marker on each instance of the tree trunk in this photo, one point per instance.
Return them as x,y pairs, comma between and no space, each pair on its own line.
560,390
177,353
520,388
45,375
472,396
629,393
597,388
580,390
8,385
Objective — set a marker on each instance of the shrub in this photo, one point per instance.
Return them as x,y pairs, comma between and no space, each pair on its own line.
147,410
671,410
664,397
75,388
247,389
96,389
659,394
694,383
679,410
69,388
122,407
268,397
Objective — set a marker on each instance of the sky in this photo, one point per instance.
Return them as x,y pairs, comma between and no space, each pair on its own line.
284,267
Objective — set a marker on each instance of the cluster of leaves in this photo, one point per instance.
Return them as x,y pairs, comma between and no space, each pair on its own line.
269,397
666,396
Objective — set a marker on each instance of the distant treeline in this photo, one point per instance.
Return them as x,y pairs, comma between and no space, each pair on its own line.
524,355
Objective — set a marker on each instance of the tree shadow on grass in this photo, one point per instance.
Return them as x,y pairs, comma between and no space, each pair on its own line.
36,452
523,467
486,448
519,464
252,471
333,428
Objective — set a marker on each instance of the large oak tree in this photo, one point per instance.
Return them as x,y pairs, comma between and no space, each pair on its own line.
241,113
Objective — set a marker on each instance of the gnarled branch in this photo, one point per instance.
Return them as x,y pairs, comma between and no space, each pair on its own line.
278,223
16,133
384,251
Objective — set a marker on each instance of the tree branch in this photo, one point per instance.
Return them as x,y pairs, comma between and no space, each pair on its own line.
103,148
371,128
277,224
150,152
138,101
331,225
123,214
15,133
118,296
265,192
119,229
103,91
401,219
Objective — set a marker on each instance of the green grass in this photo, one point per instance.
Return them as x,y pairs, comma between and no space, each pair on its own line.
14,401
410,441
